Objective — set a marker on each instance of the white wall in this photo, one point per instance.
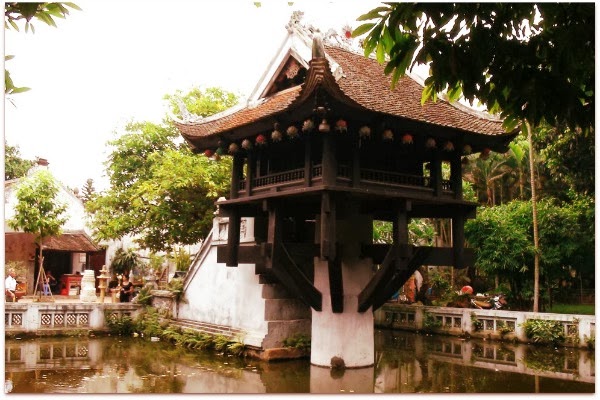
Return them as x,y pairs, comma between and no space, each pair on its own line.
228,296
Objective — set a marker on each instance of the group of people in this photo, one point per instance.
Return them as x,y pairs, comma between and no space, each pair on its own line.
49,286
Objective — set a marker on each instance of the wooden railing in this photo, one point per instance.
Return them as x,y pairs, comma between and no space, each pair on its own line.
280,177
344,171
393,178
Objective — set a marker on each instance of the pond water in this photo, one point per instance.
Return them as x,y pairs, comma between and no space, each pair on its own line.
405,363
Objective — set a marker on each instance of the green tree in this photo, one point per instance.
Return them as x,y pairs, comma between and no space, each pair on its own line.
527,61
15,166
88,191
502,238
124,261
159,191
532,63
38,210
17,13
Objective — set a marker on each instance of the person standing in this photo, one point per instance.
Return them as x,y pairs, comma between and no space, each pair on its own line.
126,290
10,286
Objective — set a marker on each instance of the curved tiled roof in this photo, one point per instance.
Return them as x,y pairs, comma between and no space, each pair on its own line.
363,84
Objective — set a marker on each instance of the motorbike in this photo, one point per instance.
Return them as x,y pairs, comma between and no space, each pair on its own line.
491,303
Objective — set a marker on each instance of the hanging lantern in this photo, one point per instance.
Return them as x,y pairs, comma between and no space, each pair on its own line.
292,131
261,140
407,138
233,148
219,151
276,136
324,126
364,131
308,126
467,149
388,134
430,143
485,153
341,126
449,146
247,144
208,153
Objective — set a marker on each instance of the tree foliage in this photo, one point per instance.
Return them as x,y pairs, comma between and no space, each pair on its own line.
16,13
160,192
15,166
88,191
527,61
38,210
501,237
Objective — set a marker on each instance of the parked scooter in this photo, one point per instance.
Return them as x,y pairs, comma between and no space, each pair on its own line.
492,303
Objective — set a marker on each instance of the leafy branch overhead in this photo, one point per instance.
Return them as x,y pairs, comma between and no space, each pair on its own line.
16,13
525,61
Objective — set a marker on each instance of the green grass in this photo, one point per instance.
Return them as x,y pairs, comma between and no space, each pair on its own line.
585,309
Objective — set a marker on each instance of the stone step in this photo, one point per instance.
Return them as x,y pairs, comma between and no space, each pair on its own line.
209,328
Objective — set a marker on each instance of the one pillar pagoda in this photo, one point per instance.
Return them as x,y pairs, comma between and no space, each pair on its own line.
323,149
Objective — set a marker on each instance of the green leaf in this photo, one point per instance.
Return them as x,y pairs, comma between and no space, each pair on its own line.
362,29
373,13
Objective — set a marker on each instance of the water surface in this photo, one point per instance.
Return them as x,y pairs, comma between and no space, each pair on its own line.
404,363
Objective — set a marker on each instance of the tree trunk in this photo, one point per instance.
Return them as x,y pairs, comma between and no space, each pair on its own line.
536,262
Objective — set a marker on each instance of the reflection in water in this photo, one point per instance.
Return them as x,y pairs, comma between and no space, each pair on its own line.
405,363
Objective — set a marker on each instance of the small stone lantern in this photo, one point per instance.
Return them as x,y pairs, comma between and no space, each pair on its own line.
103,282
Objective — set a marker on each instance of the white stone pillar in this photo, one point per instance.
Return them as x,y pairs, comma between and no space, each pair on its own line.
88,287
349,335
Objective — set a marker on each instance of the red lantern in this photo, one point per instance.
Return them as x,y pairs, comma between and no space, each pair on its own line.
341,126
407,138
292,131
485,153
261,140
208,153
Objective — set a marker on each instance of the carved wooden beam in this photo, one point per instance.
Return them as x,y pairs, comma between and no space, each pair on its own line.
292,277
439,256
383,275
399,277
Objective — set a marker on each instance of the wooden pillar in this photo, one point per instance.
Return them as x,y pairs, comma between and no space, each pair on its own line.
250,172
356,164
329,160
273,231
400,229
436,174
307,161
328,233
233,237
456,176
236,173
458,240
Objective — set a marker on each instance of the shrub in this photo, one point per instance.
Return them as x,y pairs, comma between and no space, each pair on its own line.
301,342
119,324
544,331
430,322
476,322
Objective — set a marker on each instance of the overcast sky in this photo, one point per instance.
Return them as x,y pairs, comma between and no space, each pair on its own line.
114,61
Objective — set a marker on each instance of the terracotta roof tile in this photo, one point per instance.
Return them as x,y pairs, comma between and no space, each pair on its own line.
70,241
365,84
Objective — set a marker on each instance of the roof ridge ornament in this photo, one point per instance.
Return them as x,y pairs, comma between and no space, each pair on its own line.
318,50
186,115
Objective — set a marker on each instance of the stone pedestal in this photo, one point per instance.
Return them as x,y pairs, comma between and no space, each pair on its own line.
88,287
348,337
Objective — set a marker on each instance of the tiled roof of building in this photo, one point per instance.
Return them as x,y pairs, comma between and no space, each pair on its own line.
77,241
364,84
